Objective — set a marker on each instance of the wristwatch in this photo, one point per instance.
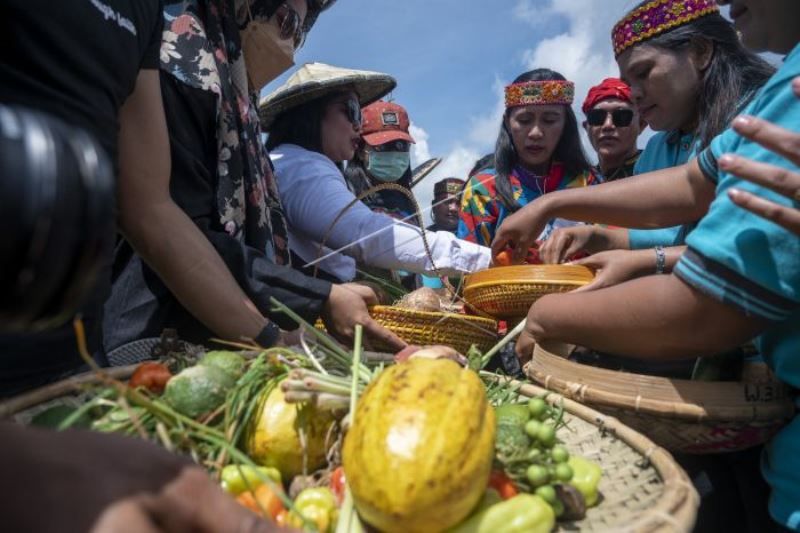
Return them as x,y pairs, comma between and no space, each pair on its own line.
269,335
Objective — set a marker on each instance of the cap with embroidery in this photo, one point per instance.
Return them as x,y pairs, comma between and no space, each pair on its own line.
448,186
384,122
657,17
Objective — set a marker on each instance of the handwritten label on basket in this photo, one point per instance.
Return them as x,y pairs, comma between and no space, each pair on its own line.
764,392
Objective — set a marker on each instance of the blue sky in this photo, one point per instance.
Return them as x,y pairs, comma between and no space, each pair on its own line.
451,59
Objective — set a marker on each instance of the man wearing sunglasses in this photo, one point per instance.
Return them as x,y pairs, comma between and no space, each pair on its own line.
613,125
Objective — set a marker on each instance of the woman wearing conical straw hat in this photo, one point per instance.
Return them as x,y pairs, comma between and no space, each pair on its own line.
215,57
314,123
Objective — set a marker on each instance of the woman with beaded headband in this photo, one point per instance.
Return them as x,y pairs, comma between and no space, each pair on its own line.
538,151
689,75
739,278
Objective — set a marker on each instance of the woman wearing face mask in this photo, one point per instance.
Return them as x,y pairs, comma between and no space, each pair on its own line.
314,123
538,151
215,57
383,157
688,83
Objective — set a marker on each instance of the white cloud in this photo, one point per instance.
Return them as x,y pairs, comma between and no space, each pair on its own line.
420,151
457,163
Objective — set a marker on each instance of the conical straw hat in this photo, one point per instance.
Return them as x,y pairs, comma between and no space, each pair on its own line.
313,80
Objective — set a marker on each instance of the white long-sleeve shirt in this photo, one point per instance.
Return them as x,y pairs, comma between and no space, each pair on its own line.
313,192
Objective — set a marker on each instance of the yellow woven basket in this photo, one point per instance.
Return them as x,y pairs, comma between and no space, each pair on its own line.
695,417
424,327
507,293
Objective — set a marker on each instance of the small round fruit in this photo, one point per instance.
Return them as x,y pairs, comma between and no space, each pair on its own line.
559,454
564,472
534,454
537,407
537,475
532,428
546,435
547,493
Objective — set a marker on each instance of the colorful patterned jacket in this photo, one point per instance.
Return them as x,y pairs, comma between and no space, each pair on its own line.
482,210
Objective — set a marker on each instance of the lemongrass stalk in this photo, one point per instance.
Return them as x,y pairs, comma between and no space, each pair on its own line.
513,334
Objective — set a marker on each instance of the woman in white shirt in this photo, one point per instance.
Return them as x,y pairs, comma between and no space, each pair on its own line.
314,124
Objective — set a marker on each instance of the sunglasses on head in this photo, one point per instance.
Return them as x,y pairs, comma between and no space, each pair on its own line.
620,117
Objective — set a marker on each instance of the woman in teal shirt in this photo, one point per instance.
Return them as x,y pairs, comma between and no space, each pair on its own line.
740,277
688,83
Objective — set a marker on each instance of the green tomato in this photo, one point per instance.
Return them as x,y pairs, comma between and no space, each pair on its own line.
534,454
546,435
563,472
537,407
532,428
559,454
547,493
537,475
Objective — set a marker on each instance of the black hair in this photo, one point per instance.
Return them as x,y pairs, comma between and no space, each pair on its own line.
483,163
732,78
569,150
301,125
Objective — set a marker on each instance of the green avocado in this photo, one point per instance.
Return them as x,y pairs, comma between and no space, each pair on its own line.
198,390
230,362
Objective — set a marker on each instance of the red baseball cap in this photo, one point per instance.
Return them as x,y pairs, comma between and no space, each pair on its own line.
383,122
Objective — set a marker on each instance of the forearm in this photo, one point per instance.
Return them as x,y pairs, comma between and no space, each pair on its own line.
654,200
655,317
402,247
191,268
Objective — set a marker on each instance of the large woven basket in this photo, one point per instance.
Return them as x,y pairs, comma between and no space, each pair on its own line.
507,293
695,417
424,327
643,489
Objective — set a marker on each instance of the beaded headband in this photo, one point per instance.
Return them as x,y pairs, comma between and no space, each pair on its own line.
540,93
657,17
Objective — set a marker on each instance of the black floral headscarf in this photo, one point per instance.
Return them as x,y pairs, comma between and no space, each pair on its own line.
201,48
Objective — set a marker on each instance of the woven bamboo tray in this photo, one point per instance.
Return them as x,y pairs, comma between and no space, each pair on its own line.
695,417
507,293
643,489
424,327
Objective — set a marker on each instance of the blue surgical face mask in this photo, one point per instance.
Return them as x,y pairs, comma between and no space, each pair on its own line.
388,166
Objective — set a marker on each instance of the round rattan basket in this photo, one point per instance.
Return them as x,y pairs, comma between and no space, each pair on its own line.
425,327
695,417
507,293
643,489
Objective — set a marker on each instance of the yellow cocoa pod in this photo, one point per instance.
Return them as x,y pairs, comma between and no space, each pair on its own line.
275,439
418,455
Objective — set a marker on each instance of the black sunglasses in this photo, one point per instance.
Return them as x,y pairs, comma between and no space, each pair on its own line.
290,24
352,110
620,117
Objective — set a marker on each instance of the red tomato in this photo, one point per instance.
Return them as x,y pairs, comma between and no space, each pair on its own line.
500,482
152,376
338,484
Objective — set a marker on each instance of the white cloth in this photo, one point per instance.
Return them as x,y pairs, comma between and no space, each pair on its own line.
313,192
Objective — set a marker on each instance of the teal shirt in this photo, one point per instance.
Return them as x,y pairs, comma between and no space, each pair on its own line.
664,150
752,264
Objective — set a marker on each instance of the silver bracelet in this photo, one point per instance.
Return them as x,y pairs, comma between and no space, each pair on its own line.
661,259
